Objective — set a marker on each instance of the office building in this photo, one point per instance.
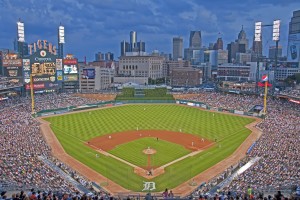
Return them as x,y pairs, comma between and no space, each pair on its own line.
140,66
239,46
195,39
133,40
243,58
231,72
24,49
272,52
133,46
186,77
219,44
109,56
125,47
177,48
141,46
95,78
99,56
293,51
257,47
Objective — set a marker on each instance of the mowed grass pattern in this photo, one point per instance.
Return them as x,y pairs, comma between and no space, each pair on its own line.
73,129
165,152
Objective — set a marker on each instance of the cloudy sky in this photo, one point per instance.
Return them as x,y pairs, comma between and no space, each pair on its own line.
100,25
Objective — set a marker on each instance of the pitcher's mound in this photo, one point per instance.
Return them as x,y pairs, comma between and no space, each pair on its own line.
149,151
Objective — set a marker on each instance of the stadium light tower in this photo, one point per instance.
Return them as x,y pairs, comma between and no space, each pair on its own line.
61,41
21,37
257,38
276,37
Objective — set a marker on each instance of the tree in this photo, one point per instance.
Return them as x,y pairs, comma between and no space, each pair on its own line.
290,80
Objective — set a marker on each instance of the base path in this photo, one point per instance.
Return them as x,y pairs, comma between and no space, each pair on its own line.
183,189
186,188
60,154
110,141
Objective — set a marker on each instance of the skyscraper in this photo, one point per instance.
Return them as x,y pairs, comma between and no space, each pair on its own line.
133,46
272,52
195,39
239,46
177,48
125,47
293,51
242,38
219,44
257,47
99,56
133,39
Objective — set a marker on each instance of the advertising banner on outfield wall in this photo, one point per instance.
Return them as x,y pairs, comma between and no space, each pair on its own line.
238,112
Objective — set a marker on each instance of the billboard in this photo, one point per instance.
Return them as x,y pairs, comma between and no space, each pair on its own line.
13,72
58,64
12,62
26,70
70,77
59,75
38,86
43,68
88,73
70,66
293,48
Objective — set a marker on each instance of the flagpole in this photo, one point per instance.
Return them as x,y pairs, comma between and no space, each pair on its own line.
265,97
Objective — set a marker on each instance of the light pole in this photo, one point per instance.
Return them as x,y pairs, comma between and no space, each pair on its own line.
257,37
276,37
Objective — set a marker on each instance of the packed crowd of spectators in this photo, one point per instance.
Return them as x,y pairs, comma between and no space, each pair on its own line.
292,93
21,143
278,147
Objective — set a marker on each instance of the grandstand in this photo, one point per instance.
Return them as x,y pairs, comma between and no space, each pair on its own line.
24,166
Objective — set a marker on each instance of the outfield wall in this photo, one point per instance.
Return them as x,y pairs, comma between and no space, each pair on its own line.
120,102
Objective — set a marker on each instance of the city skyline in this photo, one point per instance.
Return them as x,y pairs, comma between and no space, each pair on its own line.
100,26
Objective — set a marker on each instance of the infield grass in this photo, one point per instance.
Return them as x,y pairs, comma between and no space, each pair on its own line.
165,152
74,129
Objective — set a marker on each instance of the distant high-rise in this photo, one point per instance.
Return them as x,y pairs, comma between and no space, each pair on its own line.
293,51
25,47
272,52
219,44
177,48
133,46
141,46
242,38
99,56
133,40
109,56
239,46
195,39
257,47
125,47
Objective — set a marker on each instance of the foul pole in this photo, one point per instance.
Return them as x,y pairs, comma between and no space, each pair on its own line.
32,94
265,97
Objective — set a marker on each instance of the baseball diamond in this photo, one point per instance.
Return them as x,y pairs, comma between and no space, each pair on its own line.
119,135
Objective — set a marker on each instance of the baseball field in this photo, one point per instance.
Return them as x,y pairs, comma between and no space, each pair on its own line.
127,132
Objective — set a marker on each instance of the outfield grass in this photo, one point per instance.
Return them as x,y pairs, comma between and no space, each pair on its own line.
71,130
165,152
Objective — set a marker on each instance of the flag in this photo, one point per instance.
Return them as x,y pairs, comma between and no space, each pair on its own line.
260,84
